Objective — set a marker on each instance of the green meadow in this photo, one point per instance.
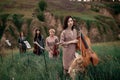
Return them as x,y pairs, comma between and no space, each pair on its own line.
29,66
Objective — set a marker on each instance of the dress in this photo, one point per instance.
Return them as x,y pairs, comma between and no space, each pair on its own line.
22,46
69,50
50,44
37,50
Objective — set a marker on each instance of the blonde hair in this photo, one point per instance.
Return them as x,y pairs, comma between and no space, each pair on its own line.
52,30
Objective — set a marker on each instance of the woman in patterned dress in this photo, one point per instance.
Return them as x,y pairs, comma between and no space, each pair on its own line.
51,41
68,41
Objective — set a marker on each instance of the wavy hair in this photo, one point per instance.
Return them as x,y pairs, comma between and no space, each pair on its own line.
66,22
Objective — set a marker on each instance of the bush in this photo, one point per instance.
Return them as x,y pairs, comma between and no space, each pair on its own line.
115,7
95,9
40,16
3,18
17,18
42,5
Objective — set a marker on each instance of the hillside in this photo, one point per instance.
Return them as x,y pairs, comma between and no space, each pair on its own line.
24,7
101,21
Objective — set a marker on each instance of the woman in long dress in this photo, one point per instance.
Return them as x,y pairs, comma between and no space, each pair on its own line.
22,46
40,40
68,41
52,42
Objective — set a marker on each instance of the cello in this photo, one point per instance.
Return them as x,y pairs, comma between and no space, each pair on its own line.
84,45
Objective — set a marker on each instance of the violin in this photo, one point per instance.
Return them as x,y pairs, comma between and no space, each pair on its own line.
36,49
84,45
55,50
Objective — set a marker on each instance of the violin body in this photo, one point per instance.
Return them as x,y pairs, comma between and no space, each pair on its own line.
84,45
55,50
36,49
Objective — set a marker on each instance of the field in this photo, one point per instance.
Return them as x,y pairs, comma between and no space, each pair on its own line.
28,66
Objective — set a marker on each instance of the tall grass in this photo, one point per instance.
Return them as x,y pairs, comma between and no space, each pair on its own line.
29,66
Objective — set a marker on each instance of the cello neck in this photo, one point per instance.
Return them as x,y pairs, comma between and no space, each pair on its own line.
84,41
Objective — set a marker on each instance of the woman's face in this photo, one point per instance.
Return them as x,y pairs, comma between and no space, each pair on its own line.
22,34
38,32
70,22
51,33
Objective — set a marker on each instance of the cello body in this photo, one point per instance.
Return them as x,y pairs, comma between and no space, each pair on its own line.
84,45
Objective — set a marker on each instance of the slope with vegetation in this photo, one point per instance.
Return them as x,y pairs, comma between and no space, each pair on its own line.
100,18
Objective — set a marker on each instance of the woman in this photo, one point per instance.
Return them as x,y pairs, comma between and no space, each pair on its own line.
22,46
52,44
38,43
68,41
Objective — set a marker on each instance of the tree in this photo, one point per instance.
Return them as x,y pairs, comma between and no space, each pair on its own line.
42,5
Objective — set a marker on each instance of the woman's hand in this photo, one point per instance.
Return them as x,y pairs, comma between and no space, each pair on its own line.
51,52
73,41
70,42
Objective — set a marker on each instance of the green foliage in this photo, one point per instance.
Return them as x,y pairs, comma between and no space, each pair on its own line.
32,67
115,7
88,24
28,36
42,5
40,16
29,66
17,18
108,24
46,30
12,33
95,9
3,19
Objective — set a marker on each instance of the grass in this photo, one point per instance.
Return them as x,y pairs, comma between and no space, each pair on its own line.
32,67
26,13
17,7
82,15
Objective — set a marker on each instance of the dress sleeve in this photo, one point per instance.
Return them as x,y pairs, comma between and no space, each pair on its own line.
56,40
62,37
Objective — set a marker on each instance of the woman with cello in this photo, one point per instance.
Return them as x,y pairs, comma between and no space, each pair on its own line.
80,63
40,42
68,40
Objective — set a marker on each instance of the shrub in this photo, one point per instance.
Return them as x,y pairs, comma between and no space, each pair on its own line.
115,7
17,18
40,16
42,5
3,18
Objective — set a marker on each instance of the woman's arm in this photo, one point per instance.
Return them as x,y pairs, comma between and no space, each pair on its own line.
72,41
69,42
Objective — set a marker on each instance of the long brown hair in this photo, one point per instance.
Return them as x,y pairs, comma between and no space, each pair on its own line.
37,35
21,33
66,22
